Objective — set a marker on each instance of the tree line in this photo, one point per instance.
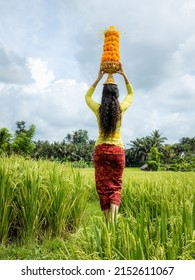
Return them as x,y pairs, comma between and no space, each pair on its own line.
150,152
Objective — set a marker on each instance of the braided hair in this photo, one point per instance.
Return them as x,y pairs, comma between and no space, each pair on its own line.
110,111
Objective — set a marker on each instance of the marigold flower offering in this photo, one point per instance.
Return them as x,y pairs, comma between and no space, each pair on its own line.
111,54
111,45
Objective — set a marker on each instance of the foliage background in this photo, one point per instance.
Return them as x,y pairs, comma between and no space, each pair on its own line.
77,148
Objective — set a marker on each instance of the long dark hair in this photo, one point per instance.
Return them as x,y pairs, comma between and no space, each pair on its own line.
110,111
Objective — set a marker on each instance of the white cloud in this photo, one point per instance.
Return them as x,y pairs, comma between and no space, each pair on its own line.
40,73
56,107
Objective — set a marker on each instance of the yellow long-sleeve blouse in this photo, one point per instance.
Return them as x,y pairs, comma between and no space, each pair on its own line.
124,105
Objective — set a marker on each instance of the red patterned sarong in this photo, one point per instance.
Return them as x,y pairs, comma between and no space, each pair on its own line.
109,163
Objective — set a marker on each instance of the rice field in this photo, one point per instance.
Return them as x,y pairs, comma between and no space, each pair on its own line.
50,210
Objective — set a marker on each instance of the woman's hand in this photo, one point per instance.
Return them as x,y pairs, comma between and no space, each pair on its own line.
99,77
122,72
100,74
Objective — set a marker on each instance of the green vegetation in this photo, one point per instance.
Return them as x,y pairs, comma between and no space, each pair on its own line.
77,148
50,210
49,207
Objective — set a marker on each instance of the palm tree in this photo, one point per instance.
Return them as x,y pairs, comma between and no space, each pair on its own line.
140,149
156,139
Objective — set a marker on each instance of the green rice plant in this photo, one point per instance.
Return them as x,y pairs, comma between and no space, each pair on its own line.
112,241
7,188
156,221
69,200
128,245
164,211
55,209
81,192
31,203
60,197
39,198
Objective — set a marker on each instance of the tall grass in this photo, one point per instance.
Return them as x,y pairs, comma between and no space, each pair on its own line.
156,220
38,198
7,188
57,207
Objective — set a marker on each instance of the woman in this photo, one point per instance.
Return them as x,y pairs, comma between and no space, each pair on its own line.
109,157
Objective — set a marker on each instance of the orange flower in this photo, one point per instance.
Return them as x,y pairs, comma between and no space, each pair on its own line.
111,45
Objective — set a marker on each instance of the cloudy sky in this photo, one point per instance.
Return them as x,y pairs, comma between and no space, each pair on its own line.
50,53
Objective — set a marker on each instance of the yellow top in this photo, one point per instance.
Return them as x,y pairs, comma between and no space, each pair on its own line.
94,106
